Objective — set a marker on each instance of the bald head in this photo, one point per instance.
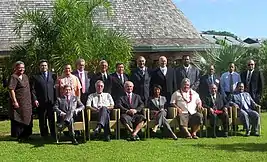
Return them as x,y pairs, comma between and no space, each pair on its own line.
163,61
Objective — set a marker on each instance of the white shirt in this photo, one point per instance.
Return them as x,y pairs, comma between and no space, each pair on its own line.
186,68
104,74
250,75
181,103
96,100
163,70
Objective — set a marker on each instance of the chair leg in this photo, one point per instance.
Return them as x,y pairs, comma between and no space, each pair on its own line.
84,136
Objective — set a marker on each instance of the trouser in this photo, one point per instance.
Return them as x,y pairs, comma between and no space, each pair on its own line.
250,118
20,130
132,121
45,111
161,120
70,126
223,117
104,119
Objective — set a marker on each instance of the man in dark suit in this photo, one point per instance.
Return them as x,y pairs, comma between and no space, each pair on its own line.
118,80
246,110
206,81
253,80
141,79
43,94
131,107
217,108
188,71
165,77
104,76
84,79
66,108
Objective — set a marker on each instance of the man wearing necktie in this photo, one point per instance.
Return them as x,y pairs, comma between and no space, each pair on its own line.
66,108
141,77
206,81
118,80
43,92
246,109
228,82
253,80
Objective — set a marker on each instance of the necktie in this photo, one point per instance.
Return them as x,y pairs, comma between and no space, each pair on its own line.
244,102
99,102
249,77
68,100
82,81
104,77
45,75
211,79
129,99
163,72
231,82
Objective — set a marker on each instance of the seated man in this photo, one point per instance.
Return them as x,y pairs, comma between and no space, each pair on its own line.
245,104
217,108
66,107
101,103
131,107
188,103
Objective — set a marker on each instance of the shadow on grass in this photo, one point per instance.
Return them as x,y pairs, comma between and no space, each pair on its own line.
235,147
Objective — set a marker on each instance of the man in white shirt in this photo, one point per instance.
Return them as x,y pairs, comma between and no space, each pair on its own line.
188,103
101,103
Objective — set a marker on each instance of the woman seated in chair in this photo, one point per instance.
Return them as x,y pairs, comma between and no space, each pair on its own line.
158,110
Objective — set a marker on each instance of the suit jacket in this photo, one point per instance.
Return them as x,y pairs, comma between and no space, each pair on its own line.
154,106
248,99
87,80
219,103
117,89
168,82
62,106
204,85
256,84
124,105
141,83
193,74
43,89
107,83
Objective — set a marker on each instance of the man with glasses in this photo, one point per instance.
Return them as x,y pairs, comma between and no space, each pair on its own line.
253,80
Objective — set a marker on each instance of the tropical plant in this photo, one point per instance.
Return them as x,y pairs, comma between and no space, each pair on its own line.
68,32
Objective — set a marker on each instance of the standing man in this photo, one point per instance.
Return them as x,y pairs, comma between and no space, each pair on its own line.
43,94
118,80
101,104
228,82
104,76
131,107
188,71
206,81
141,79
165,77
253,80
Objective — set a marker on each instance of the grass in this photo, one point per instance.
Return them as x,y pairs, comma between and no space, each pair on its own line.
236,148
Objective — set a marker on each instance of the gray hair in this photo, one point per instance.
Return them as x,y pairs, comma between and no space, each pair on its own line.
99,81
18,63
184,81
78,61
103,61
128,82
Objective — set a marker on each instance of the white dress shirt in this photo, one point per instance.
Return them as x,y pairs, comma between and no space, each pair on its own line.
163,70
96,100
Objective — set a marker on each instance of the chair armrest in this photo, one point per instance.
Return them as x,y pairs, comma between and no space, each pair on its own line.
83,116
234,111
114,114
118,113
55,116
147,114
172,112
258,108
89,114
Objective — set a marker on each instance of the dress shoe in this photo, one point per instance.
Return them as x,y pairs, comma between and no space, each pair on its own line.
247,134
174,137
97,130
75,142
107,138
255,134
60,126
225,134
137,138
194,136
131,138
67,123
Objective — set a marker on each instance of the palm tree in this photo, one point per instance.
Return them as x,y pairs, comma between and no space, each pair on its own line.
67,33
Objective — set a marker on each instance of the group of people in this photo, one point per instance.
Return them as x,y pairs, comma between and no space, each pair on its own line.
157,89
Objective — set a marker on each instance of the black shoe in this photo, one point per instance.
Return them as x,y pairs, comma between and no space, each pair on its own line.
255,134
214,135
97,130
137,138
225,134
247,134
67,123
75,142
107,138
131,138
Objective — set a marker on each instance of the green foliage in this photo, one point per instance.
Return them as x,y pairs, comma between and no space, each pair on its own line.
67,33
4,101
223,33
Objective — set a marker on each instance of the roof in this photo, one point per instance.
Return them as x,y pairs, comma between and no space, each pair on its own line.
146,22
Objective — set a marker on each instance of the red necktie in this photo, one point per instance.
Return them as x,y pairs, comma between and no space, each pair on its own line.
82,81
129,98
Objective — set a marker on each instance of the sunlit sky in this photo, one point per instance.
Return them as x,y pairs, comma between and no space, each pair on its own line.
245,18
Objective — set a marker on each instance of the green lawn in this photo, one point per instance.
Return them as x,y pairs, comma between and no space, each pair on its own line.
205,149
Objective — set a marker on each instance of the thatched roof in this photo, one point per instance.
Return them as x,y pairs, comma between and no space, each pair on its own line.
147,22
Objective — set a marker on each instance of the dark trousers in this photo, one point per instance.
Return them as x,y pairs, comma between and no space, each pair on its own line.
214,118
20,130
45,111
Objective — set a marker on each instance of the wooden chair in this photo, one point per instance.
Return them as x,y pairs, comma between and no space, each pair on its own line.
237,121
78,126
113,121
121,126
219,122
171,118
